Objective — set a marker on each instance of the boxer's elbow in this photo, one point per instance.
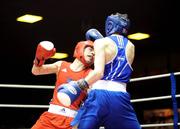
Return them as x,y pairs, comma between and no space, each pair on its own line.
35,71
99,74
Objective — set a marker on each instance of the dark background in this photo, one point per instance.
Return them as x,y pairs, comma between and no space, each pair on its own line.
65,23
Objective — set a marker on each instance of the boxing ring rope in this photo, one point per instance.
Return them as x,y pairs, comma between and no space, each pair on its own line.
133,101
157,125
153,77
46,106
52,87
27,86
23,106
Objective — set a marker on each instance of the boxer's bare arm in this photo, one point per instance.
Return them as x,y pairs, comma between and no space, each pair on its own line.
99,63
130,52
46,68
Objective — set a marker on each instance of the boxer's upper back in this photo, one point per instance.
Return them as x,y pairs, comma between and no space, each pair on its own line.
119,57
111,48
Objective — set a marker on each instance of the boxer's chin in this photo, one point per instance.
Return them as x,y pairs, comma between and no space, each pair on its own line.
64,99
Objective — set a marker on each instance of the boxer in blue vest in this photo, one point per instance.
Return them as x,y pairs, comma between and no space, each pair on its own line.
108,103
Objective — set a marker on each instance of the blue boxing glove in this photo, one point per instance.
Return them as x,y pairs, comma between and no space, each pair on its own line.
93,34
69,92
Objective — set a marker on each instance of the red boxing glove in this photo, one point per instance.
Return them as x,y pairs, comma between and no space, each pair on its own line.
44,51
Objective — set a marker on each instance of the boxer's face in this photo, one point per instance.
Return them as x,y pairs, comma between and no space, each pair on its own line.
89,55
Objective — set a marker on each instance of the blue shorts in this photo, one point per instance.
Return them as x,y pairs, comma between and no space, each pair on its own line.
110,109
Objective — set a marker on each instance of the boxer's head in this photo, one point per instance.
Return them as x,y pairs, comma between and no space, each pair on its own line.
117,23
84,52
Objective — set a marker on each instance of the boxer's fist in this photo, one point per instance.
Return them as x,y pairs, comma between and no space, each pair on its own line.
68,93
93,34
44,51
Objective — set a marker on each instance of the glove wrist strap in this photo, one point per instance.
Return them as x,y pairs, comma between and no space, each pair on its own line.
83,84
38,62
